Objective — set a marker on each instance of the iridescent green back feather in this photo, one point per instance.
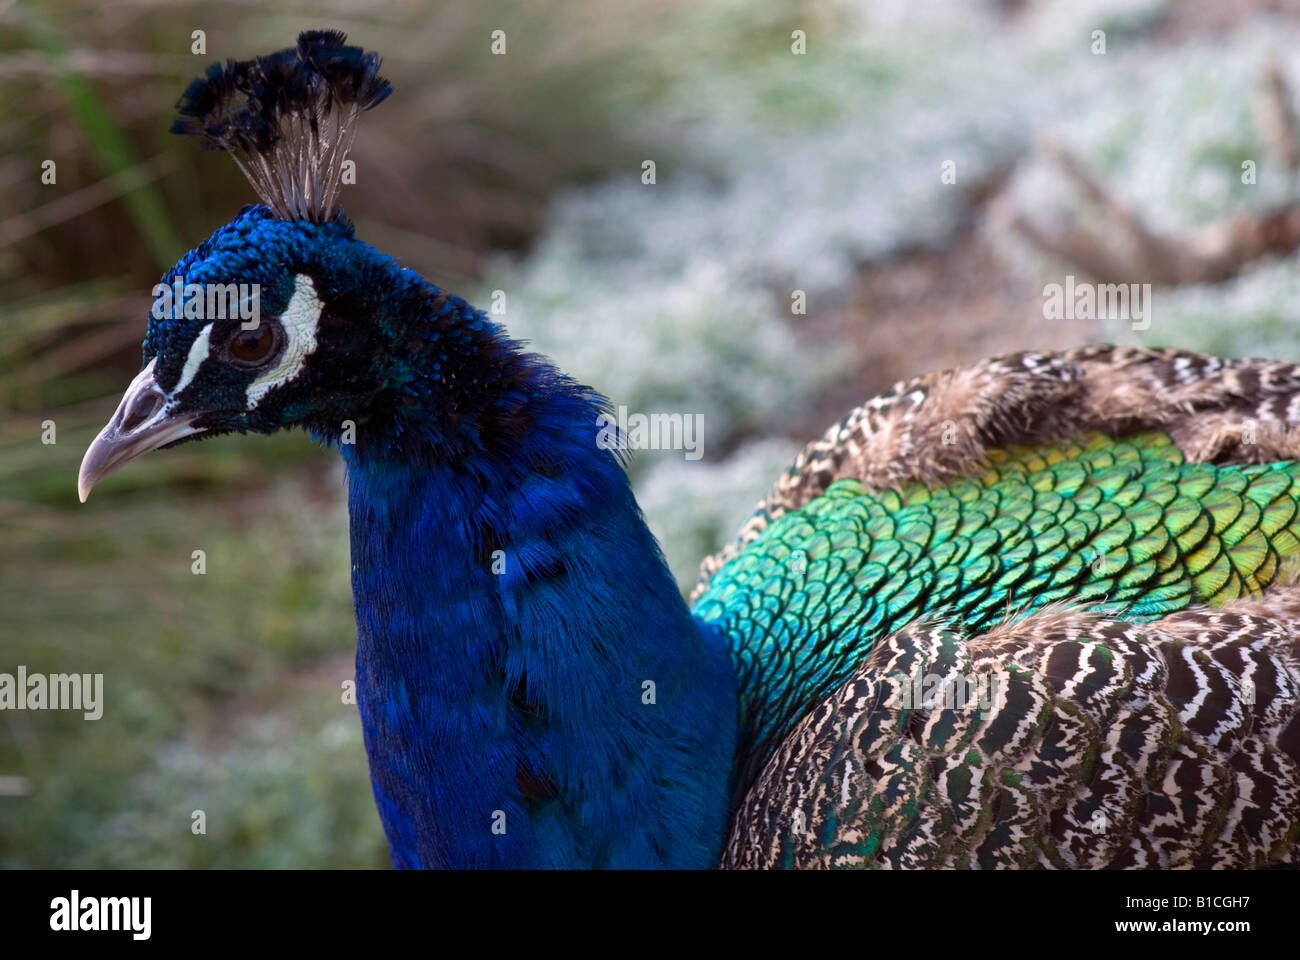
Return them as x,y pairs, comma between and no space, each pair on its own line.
1122,525
1129,594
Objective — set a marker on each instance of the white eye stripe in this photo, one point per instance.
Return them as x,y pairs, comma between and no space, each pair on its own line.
198,353
299,320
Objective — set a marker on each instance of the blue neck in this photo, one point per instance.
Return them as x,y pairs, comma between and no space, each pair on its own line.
533,689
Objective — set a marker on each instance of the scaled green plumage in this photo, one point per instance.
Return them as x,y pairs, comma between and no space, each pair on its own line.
1126,526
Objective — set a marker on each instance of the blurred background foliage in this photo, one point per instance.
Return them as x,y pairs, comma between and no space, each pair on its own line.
522,174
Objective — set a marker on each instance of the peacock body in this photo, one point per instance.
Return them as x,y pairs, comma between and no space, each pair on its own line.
1037,612
1126,595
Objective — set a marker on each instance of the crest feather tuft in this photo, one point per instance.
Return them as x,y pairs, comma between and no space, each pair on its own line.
287,118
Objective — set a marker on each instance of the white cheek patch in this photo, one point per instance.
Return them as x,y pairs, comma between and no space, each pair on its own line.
198,353
299,320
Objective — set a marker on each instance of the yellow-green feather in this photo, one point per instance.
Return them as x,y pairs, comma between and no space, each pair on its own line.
1125,525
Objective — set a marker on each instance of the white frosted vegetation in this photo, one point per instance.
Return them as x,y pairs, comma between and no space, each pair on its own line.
775,173
1255,314
778,172
1167,129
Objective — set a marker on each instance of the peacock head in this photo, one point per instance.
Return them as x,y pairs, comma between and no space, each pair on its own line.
282,317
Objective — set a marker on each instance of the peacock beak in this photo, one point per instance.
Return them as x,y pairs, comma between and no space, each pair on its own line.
140,424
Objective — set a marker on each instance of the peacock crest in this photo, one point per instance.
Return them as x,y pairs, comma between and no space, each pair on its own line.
288,118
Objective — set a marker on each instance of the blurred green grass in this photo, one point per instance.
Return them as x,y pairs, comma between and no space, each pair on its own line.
223,690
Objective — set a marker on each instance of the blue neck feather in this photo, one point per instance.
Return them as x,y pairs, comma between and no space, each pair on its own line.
533,690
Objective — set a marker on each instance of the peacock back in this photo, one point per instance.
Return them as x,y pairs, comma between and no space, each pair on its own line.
1035,612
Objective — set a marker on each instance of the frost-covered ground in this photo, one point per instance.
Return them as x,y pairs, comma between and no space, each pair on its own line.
778,172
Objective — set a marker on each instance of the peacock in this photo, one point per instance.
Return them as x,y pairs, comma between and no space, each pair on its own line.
1041,611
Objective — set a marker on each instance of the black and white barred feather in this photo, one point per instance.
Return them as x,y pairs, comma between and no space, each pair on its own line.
1082,743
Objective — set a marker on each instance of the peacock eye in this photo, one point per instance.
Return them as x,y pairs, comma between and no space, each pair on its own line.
252,347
